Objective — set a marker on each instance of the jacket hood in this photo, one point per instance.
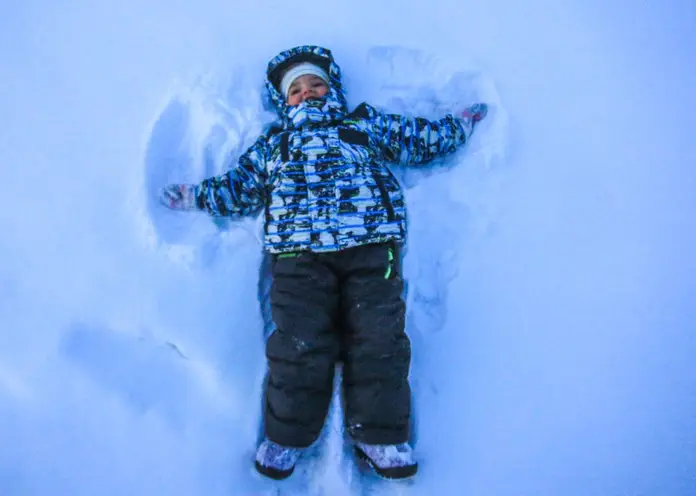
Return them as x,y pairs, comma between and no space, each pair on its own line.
331,107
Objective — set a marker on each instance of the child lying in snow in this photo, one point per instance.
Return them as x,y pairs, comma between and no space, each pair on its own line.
334,222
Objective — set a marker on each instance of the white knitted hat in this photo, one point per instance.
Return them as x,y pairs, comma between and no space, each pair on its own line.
301,70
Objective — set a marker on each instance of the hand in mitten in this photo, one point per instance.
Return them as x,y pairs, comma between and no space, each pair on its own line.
179,196
475,112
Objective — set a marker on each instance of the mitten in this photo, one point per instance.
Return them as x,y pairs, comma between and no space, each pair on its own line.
475,112
179,196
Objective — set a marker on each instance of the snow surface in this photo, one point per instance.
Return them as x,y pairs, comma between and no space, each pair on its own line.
551,268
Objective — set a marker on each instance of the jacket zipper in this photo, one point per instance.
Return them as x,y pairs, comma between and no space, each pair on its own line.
385,197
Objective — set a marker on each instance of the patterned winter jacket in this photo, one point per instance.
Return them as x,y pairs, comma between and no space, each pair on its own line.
320,174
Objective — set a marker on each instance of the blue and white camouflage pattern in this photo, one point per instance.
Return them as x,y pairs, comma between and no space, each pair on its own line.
320,174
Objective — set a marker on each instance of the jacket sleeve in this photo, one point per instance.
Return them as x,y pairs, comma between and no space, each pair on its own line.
239,191
415,140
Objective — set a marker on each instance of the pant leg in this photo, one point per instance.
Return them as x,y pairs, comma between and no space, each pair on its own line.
376,350
302,351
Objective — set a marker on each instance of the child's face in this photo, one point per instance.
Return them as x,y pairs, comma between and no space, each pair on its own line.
306,87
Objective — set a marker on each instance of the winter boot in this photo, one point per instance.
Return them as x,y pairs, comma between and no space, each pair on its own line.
391,461
276,461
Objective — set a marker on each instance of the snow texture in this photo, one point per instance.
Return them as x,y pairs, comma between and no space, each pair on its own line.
550,266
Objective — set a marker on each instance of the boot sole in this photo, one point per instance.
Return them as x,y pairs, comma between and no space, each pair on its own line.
393,473
273,473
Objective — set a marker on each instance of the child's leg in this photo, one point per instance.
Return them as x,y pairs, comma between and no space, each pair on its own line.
302,350
377,351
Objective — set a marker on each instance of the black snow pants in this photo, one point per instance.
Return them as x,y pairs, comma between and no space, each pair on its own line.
339,306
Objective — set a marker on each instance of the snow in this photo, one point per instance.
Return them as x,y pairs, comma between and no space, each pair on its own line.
550,265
